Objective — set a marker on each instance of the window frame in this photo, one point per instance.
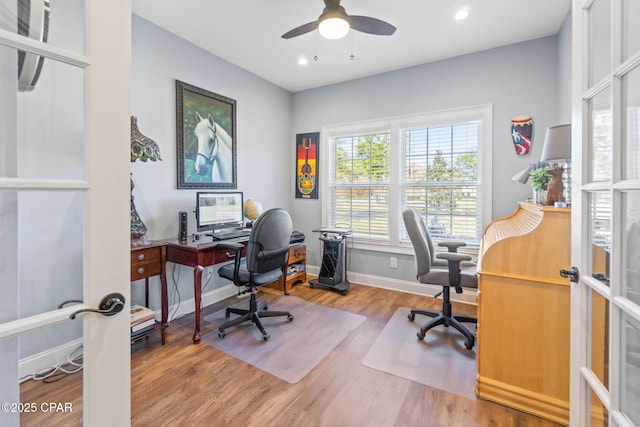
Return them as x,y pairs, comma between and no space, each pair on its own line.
395,126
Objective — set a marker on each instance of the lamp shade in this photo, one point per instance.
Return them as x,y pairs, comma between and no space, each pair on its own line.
557,143
522,177
252,209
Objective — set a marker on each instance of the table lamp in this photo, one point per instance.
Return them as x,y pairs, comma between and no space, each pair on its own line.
557,149
143,149
252,210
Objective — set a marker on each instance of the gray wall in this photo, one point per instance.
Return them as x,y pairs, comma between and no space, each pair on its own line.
516,79
265,150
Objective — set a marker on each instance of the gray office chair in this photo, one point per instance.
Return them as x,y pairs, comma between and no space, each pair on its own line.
265,262
448,269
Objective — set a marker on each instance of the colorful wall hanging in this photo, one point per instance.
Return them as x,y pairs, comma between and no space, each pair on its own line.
522,134
307,165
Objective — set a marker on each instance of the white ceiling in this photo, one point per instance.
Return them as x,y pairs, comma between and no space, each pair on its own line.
247,33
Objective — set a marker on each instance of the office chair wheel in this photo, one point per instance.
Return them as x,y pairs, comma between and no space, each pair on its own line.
222,333
468,344
266,336
343,293
411,316
290,317
420,335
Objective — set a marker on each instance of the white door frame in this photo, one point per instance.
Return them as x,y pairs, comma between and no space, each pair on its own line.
107,64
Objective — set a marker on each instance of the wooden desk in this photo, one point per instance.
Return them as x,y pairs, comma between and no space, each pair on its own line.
148,261
524,310
199,254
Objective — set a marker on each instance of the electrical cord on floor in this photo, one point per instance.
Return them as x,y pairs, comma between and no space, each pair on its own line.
175,293
70,365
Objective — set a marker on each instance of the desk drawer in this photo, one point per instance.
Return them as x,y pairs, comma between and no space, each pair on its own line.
225,255
145,269
146,255
297,253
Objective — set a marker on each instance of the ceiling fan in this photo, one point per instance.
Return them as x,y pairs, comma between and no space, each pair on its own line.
334,23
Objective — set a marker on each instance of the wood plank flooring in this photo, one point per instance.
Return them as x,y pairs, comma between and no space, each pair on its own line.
197,385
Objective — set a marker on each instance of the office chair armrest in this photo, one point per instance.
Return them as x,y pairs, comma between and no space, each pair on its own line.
451,245
237,248
454,260
454,256
231,245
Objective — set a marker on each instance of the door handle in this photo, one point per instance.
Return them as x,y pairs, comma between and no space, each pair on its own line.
111,304
572,274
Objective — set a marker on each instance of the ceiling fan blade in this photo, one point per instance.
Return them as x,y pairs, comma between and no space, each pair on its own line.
370,25
302,29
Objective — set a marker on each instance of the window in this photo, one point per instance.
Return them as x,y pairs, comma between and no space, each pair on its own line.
440,179
438,163
360,190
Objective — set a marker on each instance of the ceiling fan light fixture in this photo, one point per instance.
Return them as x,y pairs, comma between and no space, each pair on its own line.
333,27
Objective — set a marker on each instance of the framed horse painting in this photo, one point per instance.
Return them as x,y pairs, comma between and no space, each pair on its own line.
206,138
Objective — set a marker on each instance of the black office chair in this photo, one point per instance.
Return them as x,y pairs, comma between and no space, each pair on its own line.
264,263
458,272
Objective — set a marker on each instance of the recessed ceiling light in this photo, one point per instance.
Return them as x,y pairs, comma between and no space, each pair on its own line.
302,60
462,14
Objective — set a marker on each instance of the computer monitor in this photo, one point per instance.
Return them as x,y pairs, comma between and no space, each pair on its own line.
218,210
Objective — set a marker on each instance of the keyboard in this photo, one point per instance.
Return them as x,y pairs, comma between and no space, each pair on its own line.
232,234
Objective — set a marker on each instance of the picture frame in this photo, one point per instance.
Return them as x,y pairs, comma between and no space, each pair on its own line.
307,165
206,139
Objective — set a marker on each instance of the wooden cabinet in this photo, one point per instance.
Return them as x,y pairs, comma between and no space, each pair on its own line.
296,268
149,261
297,265
524,312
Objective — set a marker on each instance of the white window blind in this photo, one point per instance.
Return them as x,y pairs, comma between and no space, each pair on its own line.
441,179
360,185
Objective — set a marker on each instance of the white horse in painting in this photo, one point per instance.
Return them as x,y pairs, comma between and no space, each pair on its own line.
214,149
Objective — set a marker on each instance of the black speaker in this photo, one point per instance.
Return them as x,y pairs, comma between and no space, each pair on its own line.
182,226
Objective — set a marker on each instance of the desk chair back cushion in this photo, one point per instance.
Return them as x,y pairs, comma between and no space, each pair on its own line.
422,245
268,247
429,271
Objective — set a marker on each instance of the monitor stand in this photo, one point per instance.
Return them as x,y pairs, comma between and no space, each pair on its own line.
333,272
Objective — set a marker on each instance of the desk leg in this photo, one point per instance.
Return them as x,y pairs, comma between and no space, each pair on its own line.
164,305
197,296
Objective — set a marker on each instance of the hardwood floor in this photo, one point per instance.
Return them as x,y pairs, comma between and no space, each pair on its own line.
198,385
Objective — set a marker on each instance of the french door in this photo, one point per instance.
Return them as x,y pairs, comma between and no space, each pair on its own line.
64,201
605,311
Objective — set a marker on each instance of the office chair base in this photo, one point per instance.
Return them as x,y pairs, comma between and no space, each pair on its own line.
253,315
442,319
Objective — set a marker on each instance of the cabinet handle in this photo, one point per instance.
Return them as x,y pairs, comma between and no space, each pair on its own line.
140,270
230,255
140,257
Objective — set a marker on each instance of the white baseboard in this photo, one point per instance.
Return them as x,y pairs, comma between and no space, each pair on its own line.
469,296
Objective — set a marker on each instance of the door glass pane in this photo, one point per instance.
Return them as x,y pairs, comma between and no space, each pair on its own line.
601,135
631,125
600,235
49,138
51,375
631,30
599,416
631,245
56,22
630,366
600,337
599,40
47,252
